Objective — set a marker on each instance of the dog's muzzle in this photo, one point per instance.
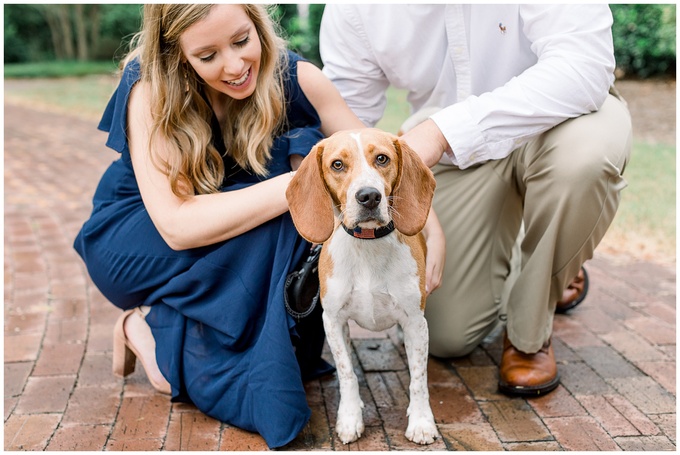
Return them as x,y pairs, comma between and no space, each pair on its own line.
369,207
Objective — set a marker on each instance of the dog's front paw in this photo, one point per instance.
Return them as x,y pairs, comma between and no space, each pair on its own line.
421,431
350,423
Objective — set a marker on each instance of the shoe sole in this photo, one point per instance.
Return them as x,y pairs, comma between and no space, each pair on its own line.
531,391
580,298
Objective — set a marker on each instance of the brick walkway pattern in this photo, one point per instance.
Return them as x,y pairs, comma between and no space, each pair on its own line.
616,351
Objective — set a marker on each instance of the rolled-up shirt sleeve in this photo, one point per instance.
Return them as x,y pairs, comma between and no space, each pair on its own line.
573,74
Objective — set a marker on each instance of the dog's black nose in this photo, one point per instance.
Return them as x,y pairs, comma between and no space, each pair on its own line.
368,197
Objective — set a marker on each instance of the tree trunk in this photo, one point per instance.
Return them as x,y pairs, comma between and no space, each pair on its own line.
64,21
59,23
55,31
81,32
93,18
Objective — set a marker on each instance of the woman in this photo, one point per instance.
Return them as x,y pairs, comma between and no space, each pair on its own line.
190,225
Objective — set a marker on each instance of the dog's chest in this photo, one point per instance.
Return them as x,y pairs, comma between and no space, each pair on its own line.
374,282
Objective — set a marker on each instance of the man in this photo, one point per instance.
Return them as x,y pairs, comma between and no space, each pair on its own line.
527,128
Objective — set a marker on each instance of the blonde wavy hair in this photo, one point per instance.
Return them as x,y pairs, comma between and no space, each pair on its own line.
183,117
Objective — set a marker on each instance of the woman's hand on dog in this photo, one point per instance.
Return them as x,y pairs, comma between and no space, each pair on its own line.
436,252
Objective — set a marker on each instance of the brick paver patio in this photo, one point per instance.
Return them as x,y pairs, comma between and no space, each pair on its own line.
616,351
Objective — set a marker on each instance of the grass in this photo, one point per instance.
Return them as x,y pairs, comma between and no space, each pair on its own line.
644,226
651,190
57,69
84,96
396,112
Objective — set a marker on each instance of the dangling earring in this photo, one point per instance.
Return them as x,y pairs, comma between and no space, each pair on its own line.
186,80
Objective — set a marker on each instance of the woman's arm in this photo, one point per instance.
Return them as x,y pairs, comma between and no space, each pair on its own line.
436,252
334,113
197,220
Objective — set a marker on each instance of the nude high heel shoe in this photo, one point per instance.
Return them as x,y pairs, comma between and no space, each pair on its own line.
125,354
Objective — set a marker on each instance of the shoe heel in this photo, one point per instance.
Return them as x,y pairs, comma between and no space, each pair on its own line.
123,362
124,359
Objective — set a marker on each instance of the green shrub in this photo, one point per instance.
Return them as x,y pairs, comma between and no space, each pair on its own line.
119,23
644,39
302,35
27,37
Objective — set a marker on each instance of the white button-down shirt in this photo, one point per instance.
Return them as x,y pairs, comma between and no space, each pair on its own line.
502,74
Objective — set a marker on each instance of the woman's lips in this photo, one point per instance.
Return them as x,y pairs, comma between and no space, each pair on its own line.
241,81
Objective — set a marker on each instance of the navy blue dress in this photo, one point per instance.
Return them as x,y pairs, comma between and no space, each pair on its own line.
223,337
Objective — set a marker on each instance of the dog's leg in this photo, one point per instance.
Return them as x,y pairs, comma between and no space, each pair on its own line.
421,427
350,423
346,337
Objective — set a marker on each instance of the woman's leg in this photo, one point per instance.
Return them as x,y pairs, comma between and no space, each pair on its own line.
224,337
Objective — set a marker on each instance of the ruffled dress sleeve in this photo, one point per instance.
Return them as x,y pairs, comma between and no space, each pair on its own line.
114,119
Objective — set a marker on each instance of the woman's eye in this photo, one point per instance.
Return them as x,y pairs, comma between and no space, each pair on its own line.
206,58
382,160
243,42
337,165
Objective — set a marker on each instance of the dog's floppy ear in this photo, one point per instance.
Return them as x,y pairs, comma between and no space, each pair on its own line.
412,196
309,202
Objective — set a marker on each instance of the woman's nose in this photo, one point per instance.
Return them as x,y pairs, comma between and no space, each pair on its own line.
234,66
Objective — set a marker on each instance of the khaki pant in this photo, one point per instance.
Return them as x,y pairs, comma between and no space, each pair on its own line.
565,186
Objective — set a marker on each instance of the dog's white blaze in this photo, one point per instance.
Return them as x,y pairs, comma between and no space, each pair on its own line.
357,139
369,177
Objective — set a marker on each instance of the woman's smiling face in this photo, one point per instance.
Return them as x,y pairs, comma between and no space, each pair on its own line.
225,51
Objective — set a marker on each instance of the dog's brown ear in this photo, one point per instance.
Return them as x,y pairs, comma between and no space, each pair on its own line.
309,202
412,196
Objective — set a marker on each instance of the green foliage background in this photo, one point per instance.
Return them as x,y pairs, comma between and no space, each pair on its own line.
644,39
644,34
28,39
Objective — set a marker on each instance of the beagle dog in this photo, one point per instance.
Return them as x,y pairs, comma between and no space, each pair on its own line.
366,196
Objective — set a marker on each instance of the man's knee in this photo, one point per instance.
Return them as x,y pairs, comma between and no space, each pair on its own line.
456,329
589,147
588,165
454,343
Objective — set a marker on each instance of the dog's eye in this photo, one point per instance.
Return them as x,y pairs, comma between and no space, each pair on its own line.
382,160
338,165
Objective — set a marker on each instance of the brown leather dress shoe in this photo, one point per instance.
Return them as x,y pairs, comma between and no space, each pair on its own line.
575,292
528,375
